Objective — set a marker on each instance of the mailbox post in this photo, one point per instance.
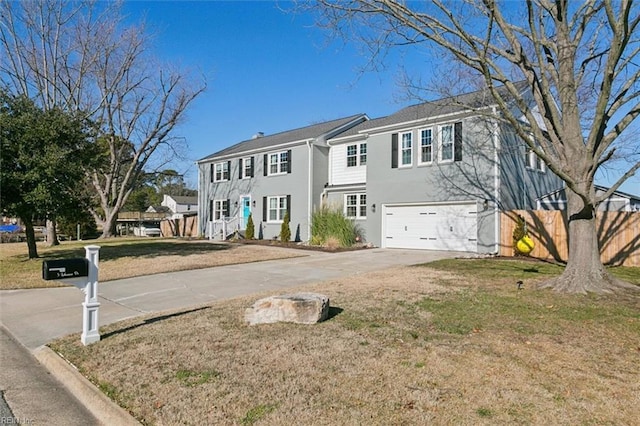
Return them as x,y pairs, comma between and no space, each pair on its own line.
82,273
90,332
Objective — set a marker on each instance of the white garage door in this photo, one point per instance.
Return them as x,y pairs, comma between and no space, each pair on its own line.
432,227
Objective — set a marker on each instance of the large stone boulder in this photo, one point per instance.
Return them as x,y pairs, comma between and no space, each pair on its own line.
301,308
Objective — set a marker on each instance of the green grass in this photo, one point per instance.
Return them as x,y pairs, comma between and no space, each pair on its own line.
192,378
257,413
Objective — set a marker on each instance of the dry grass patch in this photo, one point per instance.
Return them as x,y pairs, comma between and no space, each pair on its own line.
389,354
131,257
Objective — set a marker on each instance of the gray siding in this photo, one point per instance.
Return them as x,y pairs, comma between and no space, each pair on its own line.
471,179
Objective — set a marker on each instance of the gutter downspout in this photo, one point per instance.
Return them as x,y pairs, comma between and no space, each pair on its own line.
309,188
496,183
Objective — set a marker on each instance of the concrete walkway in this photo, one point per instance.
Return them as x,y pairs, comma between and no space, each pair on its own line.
35,317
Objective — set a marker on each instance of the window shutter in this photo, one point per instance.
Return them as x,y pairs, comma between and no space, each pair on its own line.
228,170
457,141
394,151
240,168
251,171
289,206
266,164
226,208
264,209
211,172
289,161
211,217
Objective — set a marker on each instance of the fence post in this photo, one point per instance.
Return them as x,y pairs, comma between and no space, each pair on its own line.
90,327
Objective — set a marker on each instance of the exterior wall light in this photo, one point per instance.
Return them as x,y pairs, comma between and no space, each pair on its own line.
373,208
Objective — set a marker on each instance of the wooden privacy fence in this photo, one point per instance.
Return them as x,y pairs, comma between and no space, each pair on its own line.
618,235
185,227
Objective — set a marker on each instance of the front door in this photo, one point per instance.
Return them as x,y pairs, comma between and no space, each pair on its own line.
246,210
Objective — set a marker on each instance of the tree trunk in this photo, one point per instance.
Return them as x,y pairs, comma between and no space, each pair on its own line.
584,271
109,225
31,238
52,235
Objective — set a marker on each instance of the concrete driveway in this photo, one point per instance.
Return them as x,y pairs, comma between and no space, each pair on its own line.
37,316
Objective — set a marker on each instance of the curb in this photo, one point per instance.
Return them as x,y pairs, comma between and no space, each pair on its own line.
91,397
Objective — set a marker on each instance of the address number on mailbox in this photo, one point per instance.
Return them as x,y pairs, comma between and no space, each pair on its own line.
65,268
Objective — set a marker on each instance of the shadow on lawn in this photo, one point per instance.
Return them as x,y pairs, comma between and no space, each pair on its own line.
151,321
140,250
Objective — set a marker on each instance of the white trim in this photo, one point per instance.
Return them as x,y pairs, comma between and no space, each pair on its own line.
357,206
433,151
401,149
278,163
263,150
433,119
453,143
496,183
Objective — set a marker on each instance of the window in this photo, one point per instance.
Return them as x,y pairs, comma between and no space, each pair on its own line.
406,149
426,146
533,161
356,205
246,167
221,171
357,155
277,163
220,209
276,208
446,143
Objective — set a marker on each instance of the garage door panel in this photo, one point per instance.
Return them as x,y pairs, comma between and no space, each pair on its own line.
435,227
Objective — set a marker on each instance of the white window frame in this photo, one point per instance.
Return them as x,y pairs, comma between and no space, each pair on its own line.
219,209
280,209
423,145
246,167
220,168
533,162
402,148
281,166
357,201
358,154
450,142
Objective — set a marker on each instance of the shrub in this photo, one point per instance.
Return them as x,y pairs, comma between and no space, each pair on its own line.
251,230
330,222
285,231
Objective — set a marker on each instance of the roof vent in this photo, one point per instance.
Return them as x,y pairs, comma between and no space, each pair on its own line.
258,135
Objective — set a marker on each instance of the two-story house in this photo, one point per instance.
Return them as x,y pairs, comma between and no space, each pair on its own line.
267,176
431,176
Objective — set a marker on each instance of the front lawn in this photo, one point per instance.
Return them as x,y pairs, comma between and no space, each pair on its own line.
453,342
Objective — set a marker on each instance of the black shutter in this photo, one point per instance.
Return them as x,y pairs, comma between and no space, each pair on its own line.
228,171
457,141
264,209
266,164
211,217
225,213
394,151
289,206
211,171
240,168
289,161
251,171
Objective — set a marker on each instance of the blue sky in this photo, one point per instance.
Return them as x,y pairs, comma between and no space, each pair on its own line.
268,71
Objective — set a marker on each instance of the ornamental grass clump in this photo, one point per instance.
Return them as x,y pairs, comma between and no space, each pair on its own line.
330,224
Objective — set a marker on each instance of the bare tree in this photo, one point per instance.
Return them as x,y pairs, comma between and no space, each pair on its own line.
580,63
80,56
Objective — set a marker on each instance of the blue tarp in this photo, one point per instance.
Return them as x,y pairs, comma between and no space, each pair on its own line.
10,228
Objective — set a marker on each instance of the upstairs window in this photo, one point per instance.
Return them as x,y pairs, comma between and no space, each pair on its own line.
221,171
356,155
426,146
451,142
245,167
277,163
534,162
406,149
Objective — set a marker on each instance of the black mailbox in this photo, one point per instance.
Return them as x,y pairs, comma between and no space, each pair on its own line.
65,268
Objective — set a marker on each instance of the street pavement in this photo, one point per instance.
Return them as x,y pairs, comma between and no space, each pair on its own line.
31,318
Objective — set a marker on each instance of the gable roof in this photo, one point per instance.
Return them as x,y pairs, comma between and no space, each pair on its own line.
314,131
182,199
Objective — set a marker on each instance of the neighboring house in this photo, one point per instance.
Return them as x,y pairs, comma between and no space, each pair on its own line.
180,205
619,201
267,176
431,176
159,209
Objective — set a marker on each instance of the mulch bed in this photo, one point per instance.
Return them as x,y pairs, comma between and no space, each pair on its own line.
301,246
